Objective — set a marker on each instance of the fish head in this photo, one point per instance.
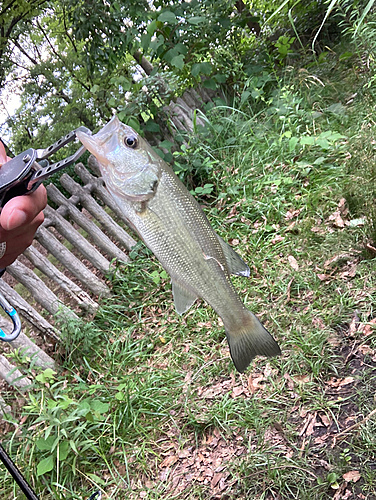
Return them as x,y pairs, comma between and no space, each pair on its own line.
129,166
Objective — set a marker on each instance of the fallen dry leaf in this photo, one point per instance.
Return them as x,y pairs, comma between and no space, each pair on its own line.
341,492
325,420
354,325
334,382
237,391
318,230
337,219
254,383
324,277
290,214
370,327
336,258
293,262
278,238
168,461
365,349
302,379
352,476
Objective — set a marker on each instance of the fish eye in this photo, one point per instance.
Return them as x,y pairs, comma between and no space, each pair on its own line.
131,141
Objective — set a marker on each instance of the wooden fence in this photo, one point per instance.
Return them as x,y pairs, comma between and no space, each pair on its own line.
65,268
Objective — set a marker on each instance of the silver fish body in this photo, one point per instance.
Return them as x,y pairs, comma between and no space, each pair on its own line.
172,225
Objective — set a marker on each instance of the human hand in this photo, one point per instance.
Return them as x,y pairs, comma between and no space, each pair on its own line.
19,220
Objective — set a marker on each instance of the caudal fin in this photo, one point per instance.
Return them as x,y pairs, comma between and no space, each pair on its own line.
250,340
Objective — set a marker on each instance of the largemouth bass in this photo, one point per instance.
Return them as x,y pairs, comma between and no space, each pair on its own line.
172,225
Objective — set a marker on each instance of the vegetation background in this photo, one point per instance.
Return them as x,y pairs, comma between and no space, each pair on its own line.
282,157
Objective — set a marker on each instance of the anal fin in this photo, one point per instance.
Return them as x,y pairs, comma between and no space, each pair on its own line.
183,297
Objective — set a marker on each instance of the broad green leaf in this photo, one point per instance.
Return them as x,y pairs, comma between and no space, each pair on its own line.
152,126
97,479
209,84
196,20
244,96
178,61
292,143
45,444
345,55
165,144
152,27
220,78
122,115
170,54
63,450
46,465
309,141
181,48
73,446
156,277
134,123
46,376
195,70
145,41
167,17
99,407
206,68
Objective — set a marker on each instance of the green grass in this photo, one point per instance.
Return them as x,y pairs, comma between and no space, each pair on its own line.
148,404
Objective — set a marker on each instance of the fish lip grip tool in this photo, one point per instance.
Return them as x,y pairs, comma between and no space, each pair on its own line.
26,171
22,175
12,313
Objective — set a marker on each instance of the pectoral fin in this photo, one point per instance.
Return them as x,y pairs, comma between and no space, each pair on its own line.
235,263
183,298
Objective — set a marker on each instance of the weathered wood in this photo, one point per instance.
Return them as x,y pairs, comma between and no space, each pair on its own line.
58,250
43,264
12,375
26,311
88,202
97,186
39,291
4,408
98,236
65,228
27,347
31,350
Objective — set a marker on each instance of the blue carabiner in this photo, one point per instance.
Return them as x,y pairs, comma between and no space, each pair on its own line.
12,313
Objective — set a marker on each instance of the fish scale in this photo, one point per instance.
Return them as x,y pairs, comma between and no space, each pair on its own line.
172,225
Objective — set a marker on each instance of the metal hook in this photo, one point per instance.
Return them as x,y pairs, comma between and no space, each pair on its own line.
12,313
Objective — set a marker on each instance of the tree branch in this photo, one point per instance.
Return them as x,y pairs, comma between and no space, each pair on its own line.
60,58
21,49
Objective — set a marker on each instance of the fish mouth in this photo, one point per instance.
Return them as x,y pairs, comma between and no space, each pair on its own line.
104,141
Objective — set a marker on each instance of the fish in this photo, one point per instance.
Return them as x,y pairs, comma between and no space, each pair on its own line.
171,223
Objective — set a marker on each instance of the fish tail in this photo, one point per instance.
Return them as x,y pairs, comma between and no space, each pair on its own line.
249,340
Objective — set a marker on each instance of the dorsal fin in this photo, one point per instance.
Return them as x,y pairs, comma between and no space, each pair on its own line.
235,263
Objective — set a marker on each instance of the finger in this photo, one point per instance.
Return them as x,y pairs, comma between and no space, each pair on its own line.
22,210
3,156
19,242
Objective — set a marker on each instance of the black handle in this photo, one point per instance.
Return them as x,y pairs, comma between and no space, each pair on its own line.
17,476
